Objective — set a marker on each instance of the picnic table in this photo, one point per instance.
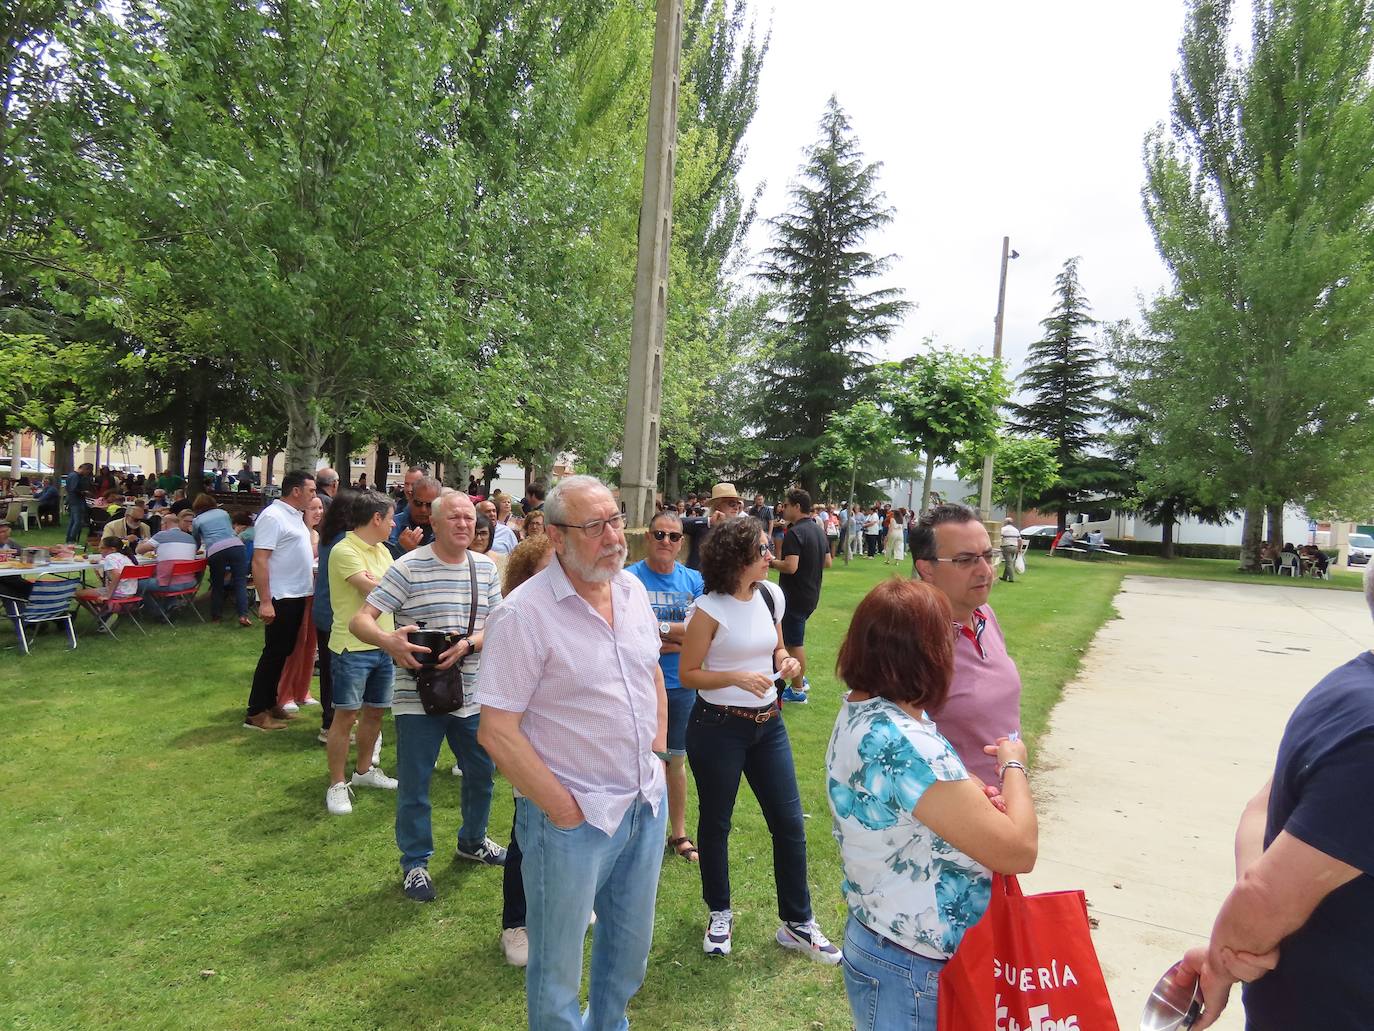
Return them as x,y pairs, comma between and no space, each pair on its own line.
49,569
1087,553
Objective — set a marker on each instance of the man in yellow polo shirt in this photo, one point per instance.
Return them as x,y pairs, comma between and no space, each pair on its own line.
362,673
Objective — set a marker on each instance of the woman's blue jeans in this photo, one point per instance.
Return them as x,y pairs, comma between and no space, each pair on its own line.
720,748
889,988
235,561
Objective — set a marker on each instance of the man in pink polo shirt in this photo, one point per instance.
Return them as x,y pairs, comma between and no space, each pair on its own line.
953,552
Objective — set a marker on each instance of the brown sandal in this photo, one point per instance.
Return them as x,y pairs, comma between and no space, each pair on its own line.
685,848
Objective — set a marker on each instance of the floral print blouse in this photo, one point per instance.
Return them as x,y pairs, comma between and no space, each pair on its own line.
901,880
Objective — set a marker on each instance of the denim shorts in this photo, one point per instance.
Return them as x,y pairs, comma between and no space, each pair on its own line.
362,678
680,702
794,628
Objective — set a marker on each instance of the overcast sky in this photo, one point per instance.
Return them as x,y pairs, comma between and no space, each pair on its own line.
1005,117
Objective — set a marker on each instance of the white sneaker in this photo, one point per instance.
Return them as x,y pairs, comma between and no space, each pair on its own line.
457,770
291,707
718,931
374,778
515,943
807,938
337,800
310,700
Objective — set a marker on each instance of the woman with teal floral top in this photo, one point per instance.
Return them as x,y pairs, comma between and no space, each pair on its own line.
919,837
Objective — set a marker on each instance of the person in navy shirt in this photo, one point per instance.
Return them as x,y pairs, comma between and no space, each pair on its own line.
1296,924
672,588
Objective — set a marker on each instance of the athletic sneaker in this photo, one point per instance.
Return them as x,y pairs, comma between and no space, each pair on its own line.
309,701
807,938
374,778
515,943
417,885
794,697
322,737
457,770
291,707
337,801
488,853
717,940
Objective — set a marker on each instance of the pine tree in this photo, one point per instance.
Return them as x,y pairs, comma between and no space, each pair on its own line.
1065,387
826,320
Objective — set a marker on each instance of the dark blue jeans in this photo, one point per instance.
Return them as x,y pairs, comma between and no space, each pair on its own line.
418,739
76,521
720,747
235,561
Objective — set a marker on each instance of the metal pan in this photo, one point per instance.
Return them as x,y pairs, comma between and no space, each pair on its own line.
1175,1003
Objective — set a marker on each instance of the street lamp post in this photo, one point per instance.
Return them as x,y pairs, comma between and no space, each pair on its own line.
985,499
639,464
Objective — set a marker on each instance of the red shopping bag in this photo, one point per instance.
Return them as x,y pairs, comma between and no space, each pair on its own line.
1028,965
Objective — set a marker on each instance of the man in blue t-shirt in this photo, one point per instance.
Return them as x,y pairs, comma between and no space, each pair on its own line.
1296,926
672,588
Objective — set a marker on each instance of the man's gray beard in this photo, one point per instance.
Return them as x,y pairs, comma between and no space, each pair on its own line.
594,574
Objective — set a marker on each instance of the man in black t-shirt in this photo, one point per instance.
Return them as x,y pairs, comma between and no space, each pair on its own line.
805,552
1296,926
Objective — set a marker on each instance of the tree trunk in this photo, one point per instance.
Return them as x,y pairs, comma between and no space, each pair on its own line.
198,421
925,487
62,459
157,460
381,465
1020,504
176,446
1250,538
304,439
343,456
672,476
1276,527
849,508
267,464
1166,530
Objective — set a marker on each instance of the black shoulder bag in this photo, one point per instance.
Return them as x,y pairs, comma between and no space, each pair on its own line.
778,683
441,690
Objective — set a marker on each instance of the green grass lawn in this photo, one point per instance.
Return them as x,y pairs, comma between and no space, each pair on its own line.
166,868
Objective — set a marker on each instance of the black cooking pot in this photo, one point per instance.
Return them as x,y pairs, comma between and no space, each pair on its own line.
437,641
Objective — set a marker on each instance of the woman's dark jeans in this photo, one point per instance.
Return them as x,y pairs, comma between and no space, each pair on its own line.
235,561
326,676
513,885
720,747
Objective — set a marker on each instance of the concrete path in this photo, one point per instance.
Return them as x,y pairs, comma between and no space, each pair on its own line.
1170,728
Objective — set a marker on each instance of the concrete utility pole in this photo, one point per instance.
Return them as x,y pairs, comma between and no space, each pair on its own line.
639,466
985,500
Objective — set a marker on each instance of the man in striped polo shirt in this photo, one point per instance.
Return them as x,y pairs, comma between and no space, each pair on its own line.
433,585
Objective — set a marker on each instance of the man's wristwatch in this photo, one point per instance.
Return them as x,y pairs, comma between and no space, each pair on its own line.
664,629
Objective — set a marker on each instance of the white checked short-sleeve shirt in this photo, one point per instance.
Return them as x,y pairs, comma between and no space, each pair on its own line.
586,690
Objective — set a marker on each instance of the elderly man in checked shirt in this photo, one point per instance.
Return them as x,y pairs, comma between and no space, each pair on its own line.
575,714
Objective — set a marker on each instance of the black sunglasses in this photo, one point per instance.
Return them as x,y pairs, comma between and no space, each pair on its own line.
672,535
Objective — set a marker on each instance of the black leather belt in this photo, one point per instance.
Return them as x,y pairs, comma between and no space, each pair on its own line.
760,715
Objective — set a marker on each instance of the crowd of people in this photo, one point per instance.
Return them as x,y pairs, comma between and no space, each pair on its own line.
514,632
597,689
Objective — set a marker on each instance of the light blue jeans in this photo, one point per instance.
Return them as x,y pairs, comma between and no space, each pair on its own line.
889,988
418,739
568,874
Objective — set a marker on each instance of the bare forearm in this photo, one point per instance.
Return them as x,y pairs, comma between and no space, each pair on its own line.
708,680
261,578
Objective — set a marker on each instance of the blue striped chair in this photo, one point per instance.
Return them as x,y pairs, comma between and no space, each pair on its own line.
50,602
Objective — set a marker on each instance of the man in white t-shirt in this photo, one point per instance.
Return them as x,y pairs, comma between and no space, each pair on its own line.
283,574
1011,547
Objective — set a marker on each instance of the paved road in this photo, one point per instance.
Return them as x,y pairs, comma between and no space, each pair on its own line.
1171,726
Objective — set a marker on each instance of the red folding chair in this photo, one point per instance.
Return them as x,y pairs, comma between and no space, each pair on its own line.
180,570
117,606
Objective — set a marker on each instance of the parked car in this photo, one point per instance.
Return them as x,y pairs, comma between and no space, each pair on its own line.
1361,548
1046,530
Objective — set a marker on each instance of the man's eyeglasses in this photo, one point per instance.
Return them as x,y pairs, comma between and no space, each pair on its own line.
417,503
968,559
671,535
596,527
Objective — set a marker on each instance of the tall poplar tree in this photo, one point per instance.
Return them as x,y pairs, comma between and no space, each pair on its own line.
1064,384
828,313
1260,194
